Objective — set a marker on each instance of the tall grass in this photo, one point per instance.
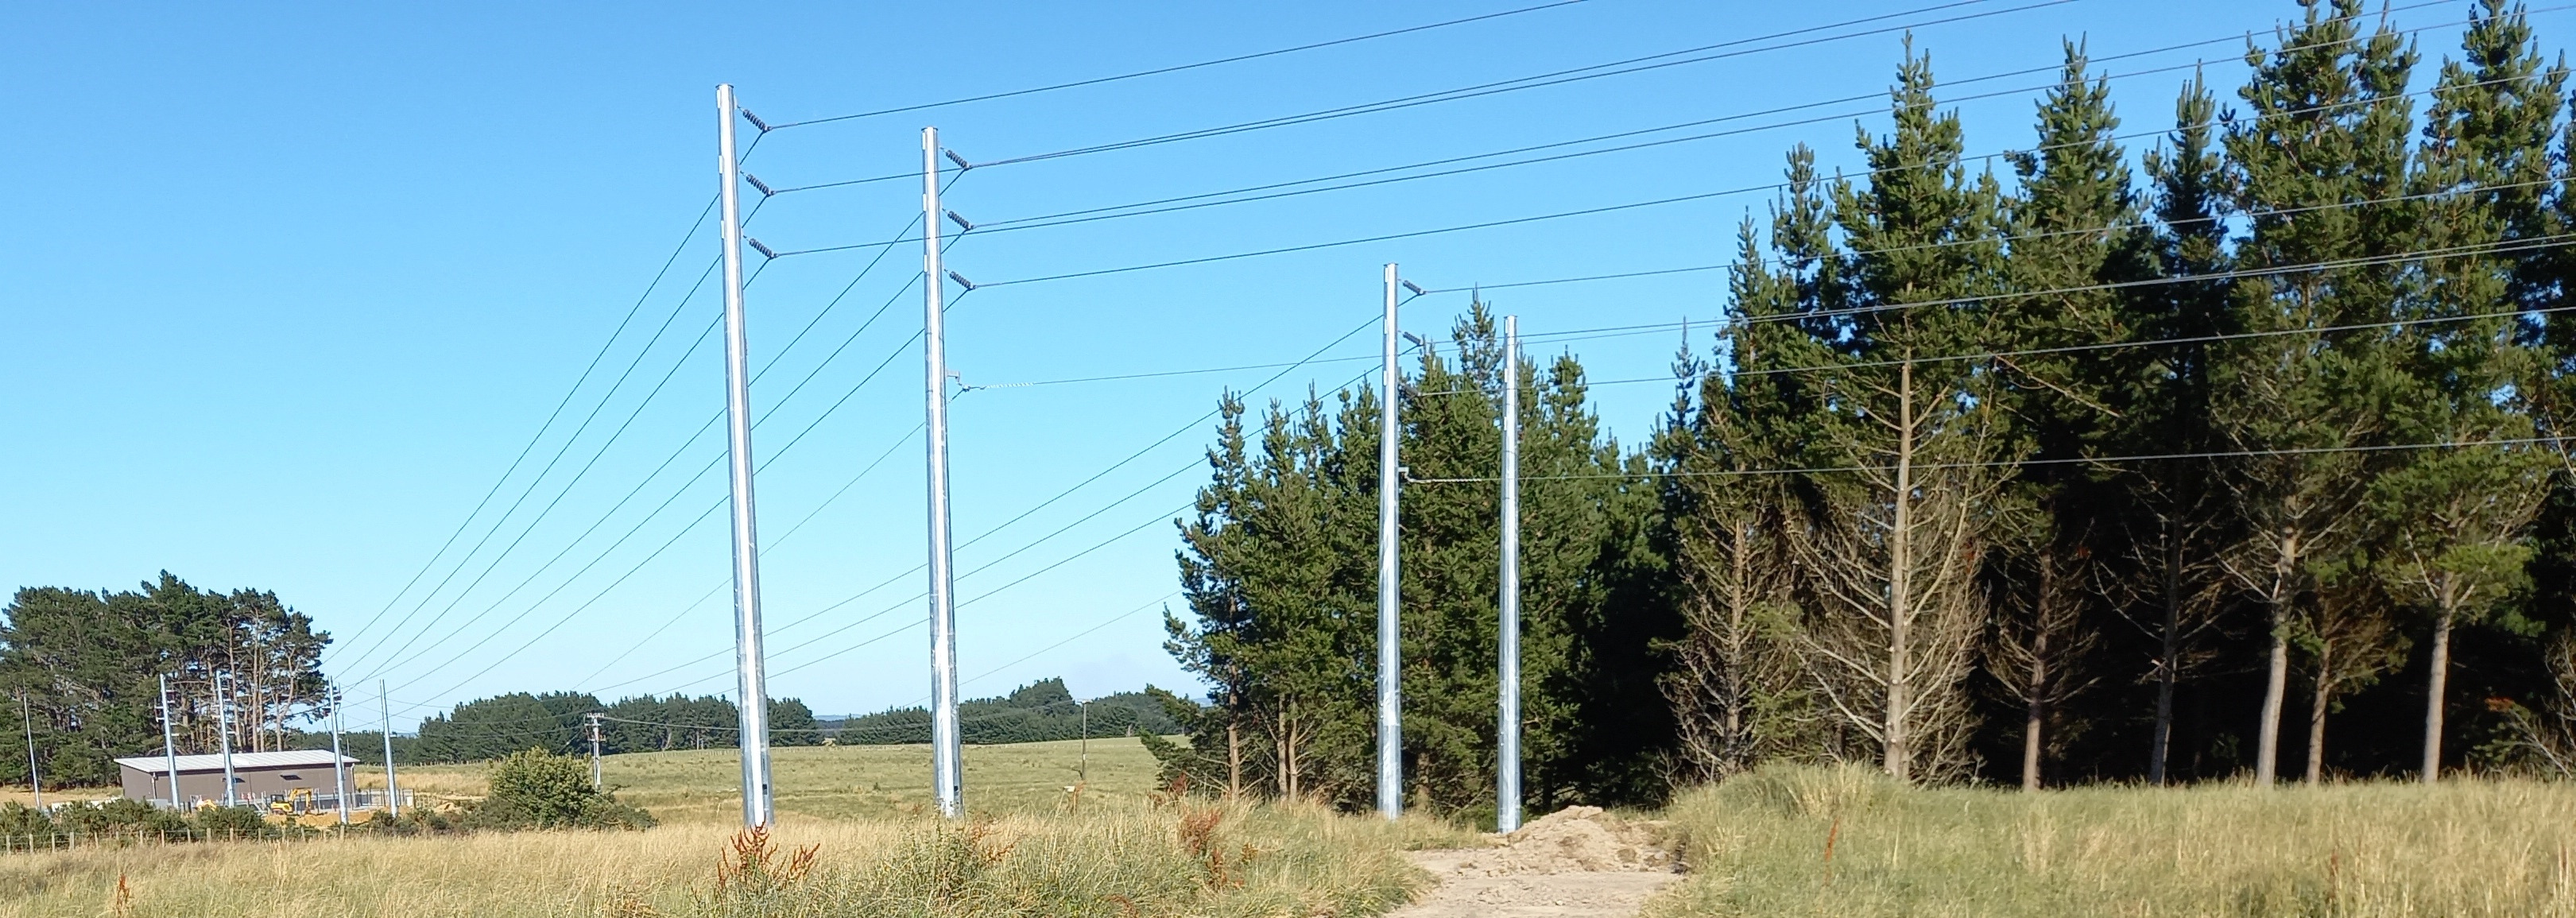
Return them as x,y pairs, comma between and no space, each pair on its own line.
1193,860
1791,841
1127,860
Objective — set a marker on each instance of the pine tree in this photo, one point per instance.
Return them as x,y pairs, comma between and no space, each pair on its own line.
1889,554
2172,517
2456,517
2075,225
1721,448
2327,137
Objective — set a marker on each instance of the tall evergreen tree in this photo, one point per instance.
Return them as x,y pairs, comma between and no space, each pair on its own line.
1889,552
2074,224
2172,516
2456,517
2326,140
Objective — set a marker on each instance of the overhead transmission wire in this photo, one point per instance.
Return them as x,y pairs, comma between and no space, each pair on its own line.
1247,195
1158,71
1096,514
2016,463
564,491
531,446
719,587
500,522
845,397
1485,89
881,252
1487,224
1154,520
891,581
2079,348
685,445
665,504
1554,78
2469,251
765,461
542,429
980,567
687,528
2322,330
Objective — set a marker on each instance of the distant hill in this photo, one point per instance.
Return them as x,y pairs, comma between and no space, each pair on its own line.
1040,711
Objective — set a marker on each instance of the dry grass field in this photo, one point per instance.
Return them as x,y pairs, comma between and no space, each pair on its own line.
1779,842
1031,850
1849,843
843,782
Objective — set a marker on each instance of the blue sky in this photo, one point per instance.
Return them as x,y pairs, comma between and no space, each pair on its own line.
288,287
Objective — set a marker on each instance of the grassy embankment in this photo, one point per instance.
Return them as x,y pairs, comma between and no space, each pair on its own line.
1758,847
1032,851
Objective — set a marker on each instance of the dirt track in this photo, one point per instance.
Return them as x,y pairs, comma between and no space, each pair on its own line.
1578,863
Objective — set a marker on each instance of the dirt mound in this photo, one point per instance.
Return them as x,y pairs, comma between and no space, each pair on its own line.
1580,839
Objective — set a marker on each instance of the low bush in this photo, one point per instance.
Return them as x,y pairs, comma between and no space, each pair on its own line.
536,789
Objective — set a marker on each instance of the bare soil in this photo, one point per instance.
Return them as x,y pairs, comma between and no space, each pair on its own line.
1576,863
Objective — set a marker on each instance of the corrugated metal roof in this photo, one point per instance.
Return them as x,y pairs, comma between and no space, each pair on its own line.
302,758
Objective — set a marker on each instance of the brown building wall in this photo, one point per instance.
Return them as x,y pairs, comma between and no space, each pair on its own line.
250,785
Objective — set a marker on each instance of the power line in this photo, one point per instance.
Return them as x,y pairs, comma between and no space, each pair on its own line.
1079,635
1489,224
916,569
576,541
567,617
1486,89
1702,123
1198,201
909,625
712,419
2070,348
1172,69
525,493
773,543
979,569
500,521
540,436
1548,79
2016,463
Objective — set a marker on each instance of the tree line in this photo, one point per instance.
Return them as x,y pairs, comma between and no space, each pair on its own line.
86,668
1040,711
2059,466
486,729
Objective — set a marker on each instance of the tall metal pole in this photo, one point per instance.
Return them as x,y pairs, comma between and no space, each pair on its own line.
224,732
35,782
752,691
169,744
385,709
594,752
339,762
1507,729
946,751
1390,696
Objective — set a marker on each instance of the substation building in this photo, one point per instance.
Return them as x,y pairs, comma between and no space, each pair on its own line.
302,779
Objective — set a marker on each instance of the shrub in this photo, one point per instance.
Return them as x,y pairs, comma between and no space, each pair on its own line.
117,816
537,789
233,822
19,819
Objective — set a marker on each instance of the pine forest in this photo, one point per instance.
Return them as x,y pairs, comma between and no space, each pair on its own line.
2221,438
